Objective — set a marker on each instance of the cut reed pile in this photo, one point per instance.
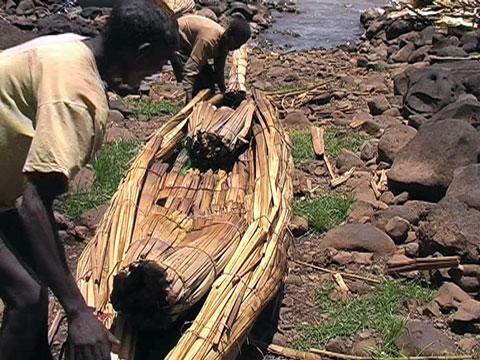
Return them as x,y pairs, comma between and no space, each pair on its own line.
443,13
175,231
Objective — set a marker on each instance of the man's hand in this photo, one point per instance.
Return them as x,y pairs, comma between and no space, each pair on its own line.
89,338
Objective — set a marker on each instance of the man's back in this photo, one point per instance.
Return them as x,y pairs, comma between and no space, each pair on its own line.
196,28
52,109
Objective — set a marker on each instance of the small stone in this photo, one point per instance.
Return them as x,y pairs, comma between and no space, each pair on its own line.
364,347
393,140
116,133
421,338
469,344
280,339
360,212
347,160
296,120
368,151
378,105
387,197
397,228
83,181
412,249
338,346
92,217
401,199
298,226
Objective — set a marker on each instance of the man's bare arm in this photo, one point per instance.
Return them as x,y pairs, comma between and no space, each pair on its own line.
90,339
219,65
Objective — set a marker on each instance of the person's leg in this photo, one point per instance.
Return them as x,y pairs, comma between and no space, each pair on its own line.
25,323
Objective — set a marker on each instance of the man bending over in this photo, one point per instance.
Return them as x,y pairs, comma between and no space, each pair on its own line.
53,110
202,39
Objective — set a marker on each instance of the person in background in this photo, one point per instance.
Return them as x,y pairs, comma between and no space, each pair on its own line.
201,40
53,111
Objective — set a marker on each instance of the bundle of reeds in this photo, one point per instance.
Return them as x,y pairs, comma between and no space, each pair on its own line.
238,71
175,231
216,134
177,7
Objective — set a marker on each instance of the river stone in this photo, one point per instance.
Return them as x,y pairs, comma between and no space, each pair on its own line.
425,167
397,228
402,55
466,108
421,338
393,140
347,160
359,237
378,105
451,228
465,186
430,90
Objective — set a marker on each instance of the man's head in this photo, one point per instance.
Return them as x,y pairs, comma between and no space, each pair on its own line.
139,38
237,33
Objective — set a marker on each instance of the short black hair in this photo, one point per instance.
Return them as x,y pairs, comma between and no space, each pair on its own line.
239,28
136,22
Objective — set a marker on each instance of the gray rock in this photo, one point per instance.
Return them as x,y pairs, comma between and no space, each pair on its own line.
421,338
425,167
347,160
368,151
466,108
298,226
296,120
397,228
465,186
393,140
358,237
404,53
83,181
451,227
378,105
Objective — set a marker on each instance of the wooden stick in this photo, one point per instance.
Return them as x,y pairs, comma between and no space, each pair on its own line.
444,262
341,283
329,167
292,353
342,179
52,331
316,354
334,355
318,141
344,274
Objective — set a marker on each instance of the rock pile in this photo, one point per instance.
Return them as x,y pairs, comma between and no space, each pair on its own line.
87,17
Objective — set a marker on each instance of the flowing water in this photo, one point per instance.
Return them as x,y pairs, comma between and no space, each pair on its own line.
319,24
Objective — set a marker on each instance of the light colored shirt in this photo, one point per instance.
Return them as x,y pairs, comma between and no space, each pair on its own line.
200,37
53,110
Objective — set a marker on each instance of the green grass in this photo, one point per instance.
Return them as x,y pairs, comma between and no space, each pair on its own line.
336,139
109,166
302,146
324,212
378,312
151,108
339,138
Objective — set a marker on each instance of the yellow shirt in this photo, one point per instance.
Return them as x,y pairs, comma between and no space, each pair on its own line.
200,38
53,110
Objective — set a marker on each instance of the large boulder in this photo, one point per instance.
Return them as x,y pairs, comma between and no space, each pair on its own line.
422,338
393,140
430,90
451,228
465,186
11,36
425,167
466,108
359,237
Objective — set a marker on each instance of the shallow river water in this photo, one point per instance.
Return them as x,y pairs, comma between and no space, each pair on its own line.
319,24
